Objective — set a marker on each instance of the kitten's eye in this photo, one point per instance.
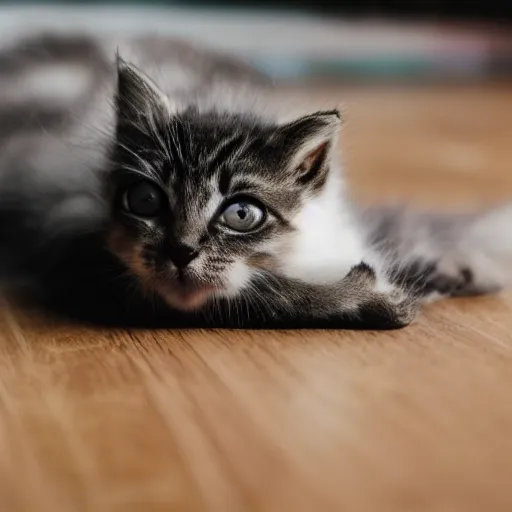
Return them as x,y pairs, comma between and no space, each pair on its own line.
242,216
143,199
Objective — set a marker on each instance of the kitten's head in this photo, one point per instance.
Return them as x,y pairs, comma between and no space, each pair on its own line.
201,201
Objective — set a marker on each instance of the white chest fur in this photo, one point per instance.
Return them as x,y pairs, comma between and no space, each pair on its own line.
328,242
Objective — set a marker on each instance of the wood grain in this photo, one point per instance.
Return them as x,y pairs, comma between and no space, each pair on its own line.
413,420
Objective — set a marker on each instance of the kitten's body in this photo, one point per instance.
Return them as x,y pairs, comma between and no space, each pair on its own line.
327,263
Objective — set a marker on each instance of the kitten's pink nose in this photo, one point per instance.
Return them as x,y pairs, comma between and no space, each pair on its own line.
181,255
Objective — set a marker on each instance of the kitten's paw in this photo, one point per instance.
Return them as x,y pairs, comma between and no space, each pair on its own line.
457,282
390,311
403,307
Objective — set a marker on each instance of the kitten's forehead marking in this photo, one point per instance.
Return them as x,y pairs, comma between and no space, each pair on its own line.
198,209
215,199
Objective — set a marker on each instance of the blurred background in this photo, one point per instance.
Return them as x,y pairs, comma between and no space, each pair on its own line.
308,39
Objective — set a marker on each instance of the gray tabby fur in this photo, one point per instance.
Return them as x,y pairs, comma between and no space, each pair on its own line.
76,129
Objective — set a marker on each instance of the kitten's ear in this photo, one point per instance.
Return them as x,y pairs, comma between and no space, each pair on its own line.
137,96
310,140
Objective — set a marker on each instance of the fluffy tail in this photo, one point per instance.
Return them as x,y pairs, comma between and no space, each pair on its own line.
442,254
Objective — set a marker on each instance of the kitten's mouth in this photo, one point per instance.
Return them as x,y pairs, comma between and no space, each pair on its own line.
187,295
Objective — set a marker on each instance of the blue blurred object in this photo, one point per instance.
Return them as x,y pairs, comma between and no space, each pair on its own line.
289,45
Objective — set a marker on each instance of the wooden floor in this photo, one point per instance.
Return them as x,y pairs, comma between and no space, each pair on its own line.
413,420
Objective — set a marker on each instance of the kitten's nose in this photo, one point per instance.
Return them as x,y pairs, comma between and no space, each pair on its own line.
181,255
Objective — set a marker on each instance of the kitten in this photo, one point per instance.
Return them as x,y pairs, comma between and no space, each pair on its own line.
223,213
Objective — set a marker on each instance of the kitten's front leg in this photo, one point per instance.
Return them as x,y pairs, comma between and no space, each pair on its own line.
356,301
